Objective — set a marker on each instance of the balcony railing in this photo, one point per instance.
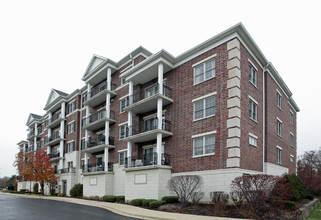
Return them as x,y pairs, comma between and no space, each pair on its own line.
98,140
29,149
90,168
52,119
148,125
54,155
53,137
67,170
94,91
148,92
149,159
97,116
31,133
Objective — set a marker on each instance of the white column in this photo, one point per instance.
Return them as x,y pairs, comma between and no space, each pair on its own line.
62,132
49,129
61,164
106,155
35,138
107,132
109,78
63,110
86,161
130,121
88,90
159,114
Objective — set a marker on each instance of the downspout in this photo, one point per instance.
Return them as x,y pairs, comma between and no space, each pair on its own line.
78,163
263,141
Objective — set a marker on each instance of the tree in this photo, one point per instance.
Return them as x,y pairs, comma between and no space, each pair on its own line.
3,182
11,182
35,167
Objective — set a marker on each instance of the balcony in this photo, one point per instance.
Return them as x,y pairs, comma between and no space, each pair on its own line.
146,100
97,95
54,139
146,160
97,120
96,144
95,168
54,156
29,149
67,170
31,135
148,130
54,121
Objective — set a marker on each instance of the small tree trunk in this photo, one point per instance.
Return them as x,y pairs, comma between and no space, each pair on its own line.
42,187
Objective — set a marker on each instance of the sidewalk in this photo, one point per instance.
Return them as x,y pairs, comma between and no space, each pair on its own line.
127,210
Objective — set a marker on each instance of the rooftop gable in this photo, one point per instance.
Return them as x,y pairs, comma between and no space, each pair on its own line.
54,97
33,118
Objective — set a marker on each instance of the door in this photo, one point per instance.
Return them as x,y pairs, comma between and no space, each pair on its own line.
64,187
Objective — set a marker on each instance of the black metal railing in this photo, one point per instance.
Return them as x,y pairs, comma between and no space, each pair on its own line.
53,137
149,159
96,167
67,170
52,119
98,140
29,149
148,125
54,155
95,90
97,116
31,133
149,91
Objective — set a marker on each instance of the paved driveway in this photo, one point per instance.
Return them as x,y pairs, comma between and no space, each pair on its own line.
13,207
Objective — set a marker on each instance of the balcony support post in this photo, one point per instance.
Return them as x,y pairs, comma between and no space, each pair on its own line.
61,163
108,105
107,132
49,129
86,162
62,131
106,155
35,138
159,114
63,110
109,79
160,78
129,152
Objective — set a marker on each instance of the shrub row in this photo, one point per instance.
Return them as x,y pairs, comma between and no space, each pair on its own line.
111,198
153,203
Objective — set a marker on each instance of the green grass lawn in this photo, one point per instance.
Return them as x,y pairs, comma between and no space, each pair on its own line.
315,214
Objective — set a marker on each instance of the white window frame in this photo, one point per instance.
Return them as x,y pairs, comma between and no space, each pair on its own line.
278,127
253,103
252,74
123,125
291,139
69,146
279,155
126,99
72,106
71,127
291,117
291,158
203,137
278,99
203,99
203,62
125,155
253,137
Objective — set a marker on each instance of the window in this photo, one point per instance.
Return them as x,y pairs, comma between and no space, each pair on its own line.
291,118
42,143
253,110
70,147
204,71
291,140
253,75
279,154
71,128
72,107
122,156
70,164
204,108
123,81
279,127
46,139
124,103
83,99
279,99
82,144
123,131
253,140
204,145
291,158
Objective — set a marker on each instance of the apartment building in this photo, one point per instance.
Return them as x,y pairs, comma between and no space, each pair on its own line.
219,110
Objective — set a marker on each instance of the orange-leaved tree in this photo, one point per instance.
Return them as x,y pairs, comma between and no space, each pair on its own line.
35,167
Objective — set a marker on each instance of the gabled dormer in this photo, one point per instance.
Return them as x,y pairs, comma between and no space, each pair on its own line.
33,118
54,100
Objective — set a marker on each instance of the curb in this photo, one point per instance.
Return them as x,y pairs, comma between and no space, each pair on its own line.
307,208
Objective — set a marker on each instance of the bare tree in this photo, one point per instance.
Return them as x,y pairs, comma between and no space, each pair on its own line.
186,187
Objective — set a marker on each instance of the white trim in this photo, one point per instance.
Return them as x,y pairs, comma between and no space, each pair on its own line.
291,133
97,110
100,132
203,155
279,147
71,122
277,83
76,110
279,92
291,112
203,134
153,115
123,97
123,123
204,60
122,150
253,100
123,70
121,86
204,96
278,119
253,135
70,141
99,156
252,64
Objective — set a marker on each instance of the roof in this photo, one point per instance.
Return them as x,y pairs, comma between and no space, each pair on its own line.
60,92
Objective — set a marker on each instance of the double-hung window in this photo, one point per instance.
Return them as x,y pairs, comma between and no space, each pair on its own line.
124,103
279,127
204,108
253,110
72,107
279,155
252,139
252,75
291,118
204,71
291,140
122,157
71,128
279,99
204,145
123,131
70,147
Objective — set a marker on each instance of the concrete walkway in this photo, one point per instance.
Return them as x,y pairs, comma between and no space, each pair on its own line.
126,210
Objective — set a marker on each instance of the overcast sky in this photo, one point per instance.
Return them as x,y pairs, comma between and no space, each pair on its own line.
48,44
